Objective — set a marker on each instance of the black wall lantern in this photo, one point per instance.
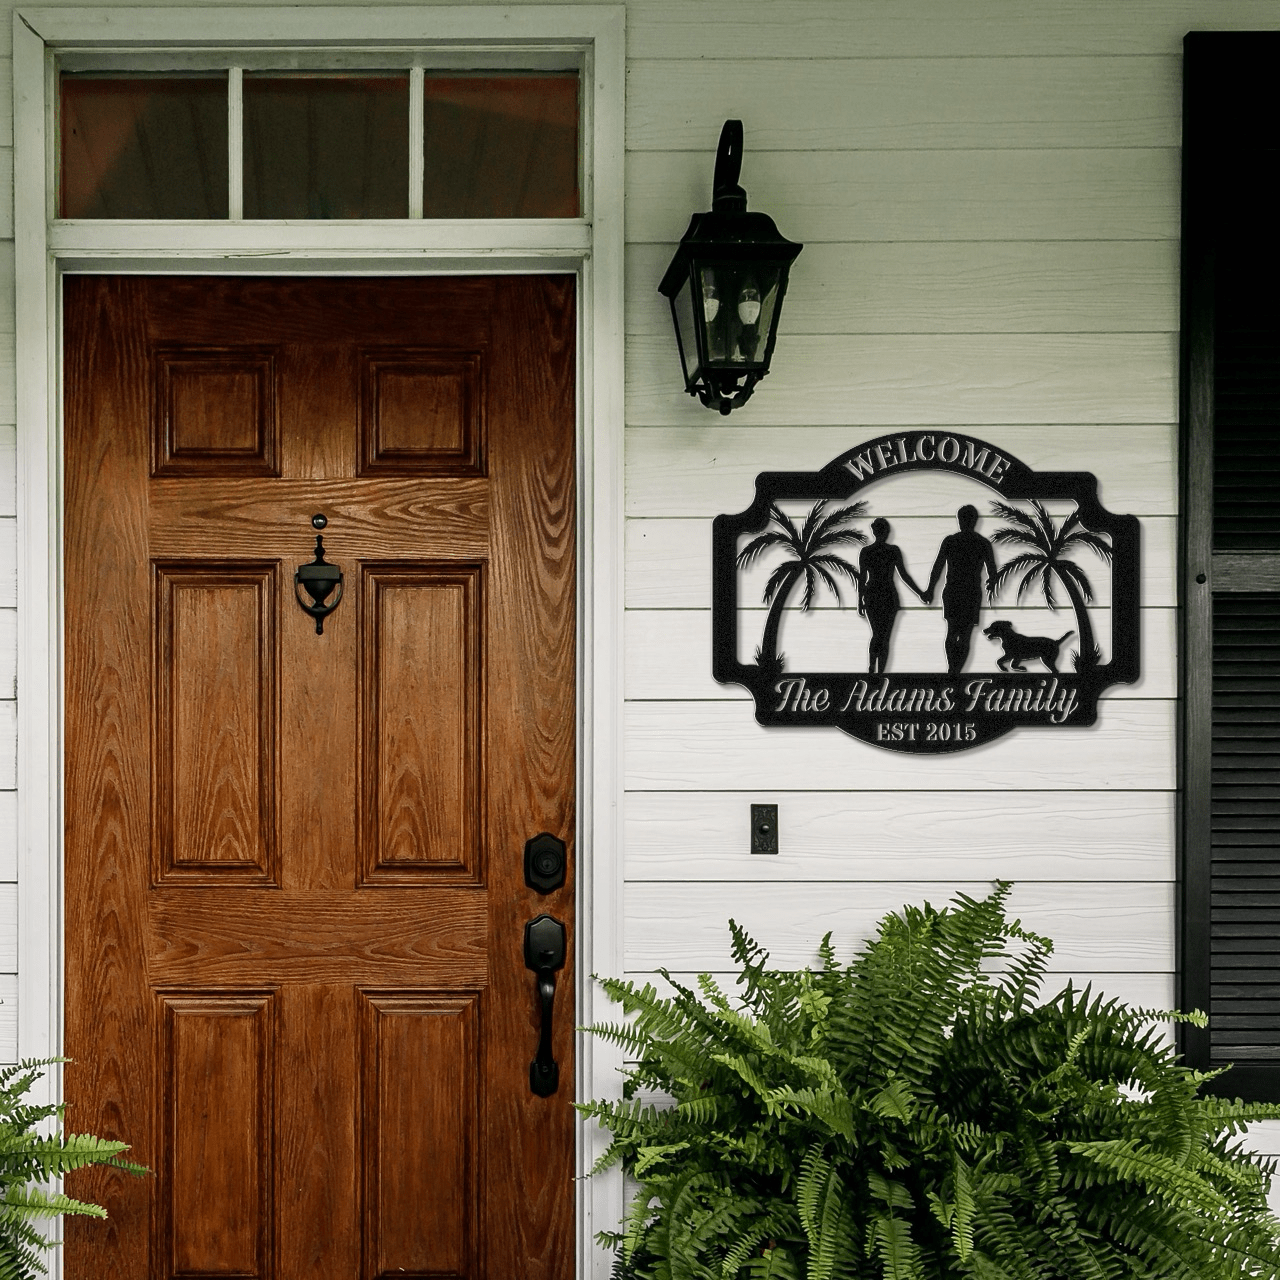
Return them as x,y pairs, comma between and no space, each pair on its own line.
726,285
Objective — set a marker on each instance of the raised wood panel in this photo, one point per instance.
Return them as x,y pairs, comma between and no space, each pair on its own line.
421,413
668,651
217,713
215,1212
728,31
1093,926
427,516
837,196
912,380
952,287
215,412
421,706
858,835
669,561
672,471
419,1127
718,746
391,935
837,104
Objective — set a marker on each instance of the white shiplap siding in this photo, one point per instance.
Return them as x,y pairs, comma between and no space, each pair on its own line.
988,194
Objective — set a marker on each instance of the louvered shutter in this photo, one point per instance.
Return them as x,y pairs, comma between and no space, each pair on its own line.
1230,564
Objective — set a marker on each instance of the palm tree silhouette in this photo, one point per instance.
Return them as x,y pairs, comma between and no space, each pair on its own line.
811,558
1047,560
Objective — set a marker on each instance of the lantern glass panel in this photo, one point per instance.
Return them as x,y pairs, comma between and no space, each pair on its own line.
739,301
686,331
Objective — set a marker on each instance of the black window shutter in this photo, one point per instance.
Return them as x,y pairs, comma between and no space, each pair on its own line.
1229,952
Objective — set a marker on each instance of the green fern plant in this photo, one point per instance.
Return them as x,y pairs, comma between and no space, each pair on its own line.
921,1114
28,1158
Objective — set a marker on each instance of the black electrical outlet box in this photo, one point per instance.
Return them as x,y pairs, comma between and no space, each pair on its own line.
764,828
544,863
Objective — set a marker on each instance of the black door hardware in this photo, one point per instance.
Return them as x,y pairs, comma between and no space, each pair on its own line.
764,828
544,954
544,863
319,578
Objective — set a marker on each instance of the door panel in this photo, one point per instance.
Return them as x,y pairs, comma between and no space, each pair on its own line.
295,896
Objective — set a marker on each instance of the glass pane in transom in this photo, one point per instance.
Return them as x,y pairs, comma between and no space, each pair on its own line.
501,146
332,146
143,146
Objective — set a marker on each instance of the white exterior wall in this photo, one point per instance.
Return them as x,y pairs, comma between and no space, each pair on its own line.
988,193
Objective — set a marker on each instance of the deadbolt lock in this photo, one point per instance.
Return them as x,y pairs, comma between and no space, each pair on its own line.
544,863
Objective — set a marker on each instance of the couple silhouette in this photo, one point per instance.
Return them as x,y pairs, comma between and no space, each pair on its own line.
962,557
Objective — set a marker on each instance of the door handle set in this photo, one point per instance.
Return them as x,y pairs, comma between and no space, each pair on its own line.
544,947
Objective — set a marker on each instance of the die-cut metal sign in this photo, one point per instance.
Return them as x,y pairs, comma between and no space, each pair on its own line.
1023,594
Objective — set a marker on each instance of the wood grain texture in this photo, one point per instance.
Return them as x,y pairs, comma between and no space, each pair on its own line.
8,561
1093,927
839,196
217,716
8,927
1127,286
718,746
424,517
862,834
669,561
8,1017
420,1159
466,681
911,380
668,651
217,1137
8,470
421,715
859,103
723,30
672,471
8,653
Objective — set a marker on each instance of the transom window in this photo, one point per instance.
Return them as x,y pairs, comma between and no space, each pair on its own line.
244,143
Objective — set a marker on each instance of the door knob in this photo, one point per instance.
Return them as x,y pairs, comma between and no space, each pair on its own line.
318,579
544,954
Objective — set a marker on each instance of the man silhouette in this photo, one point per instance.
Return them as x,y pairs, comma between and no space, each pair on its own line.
963,555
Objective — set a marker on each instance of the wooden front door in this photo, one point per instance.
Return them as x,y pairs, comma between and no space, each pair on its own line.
295,891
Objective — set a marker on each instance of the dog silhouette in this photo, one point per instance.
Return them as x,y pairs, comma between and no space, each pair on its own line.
1019,648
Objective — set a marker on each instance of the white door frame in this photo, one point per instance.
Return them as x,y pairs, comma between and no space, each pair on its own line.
590,246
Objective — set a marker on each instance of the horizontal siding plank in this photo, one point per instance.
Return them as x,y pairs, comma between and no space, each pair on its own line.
8,562
673,471
7,291
8,749
8,835
841,196
668,562
912,379
8,470
1093,926
729,30
668,651
8,928
856,103
1139,990
8,654
953,287
718,746
929,835
8,1017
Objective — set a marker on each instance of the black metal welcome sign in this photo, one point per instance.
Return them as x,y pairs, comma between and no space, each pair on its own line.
813,577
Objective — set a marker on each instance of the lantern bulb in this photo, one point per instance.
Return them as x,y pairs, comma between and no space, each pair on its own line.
749,306
710,302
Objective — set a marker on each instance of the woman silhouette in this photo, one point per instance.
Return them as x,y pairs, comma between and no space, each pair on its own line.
878,600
